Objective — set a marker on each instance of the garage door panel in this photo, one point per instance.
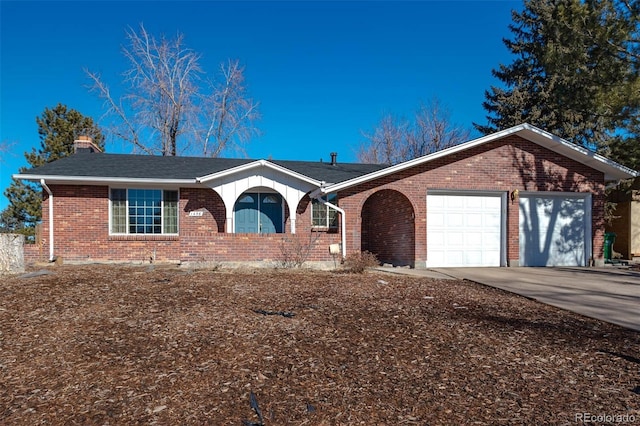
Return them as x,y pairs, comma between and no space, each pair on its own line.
454,239
493,257
437,257
478,257
455,202
464,230
455,256
492,239
553,230
491,221
437,238
455,219
474,221
474,239
475,203
473,257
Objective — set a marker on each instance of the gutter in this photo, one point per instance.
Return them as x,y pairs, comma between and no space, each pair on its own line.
64,179
343,224
44,185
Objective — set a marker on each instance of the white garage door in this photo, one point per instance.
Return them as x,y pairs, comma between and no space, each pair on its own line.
554,229
464,230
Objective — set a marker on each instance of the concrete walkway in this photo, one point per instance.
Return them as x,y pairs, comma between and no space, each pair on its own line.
608,294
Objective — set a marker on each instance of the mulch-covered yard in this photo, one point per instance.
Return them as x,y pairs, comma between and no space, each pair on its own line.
157,345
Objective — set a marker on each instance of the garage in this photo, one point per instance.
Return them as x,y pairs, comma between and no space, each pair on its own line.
465,229
554,229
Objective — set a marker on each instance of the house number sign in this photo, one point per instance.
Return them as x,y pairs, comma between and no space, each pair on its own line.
196,213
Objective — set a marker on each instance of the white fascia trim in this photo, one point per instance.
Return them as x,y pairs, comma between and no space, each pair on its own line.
56,179
611,169
419,160
527,131
257,164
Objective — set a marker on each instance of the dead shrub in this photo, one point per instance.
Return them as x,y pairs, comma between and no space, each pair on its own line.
295,249
357,262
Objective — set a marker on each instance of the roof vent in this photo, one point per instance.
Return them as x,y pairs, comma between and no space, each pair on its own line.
334,158
85,144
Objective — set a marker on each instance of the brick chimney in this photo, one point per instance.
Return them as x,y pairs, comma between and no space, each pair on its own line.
85,144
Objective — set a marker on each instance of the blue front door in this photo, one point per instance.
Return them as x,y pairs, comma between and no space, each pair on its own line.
247,214
270,214
258,213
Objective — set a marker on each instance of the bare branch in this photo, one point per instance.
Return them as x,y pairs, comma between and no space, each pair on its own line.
5,149
387,144
169,108
127,130
231,113
393,141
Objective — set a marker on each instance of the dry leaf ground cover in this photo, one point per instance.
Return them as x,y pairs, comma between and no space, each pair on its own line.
141,345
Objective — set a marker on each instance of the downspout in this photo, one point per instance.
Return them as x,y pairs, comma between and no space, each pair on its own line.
46,188
343,223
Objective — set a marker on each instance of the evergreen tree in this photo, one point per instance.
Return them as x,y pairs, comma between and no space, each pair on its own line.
625,146
58,128
575,71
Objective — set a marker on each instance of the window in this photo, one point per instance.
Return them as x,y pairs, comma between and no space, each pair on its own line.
118,211
322,215
170,212
144,211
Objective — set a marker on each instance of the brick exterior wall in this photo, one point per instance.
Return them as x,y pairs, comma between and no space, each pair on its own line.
392,208
35,253
81,232
504,165
387,227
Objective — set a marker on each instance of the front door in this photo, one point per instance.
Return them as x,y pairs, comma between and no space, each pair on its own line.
246,212
258,213
270,214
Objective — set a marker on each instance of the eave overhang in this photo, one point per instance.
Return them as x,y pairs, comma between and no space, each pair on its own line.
612,171
105,180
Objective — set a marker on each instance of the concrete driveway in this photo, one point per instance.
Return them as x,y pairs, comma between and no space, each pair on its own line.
608,294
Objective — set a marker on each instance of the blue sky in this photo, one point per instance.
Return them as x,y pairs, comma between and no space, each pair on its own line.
323,72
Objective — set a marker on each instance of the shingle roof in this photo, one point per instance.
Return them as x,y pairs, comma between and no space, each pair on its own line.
123,166
339,172
103,167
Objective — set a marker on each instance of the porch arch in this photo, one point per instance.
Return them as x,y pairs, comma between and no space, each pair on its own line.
230,188
388,227
260,211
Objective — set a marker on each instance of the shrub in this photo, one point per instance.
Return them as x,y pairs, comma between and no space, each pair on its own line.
357,262
296,249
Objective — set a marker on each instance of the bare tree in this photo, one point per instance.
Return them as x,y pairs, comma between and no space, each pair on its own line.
169,107
5,147
385,145
396,140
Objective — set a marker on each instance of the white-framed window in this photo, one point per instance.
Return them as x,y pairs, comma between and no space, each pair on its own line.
323,216
143,211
